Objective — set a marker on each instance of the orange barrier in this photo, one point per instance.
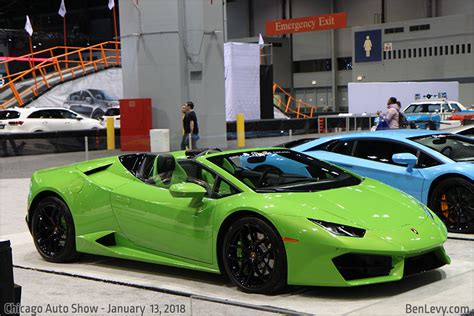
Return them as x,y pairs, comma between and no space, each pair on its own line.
292,106
60,62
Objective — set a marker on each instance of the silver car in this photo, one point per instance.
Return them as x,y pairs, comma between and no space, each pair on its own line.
91,102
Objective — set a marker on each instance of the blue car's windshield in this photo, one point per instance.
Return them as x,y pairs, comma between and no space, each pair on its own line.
458,148
423,108
283,171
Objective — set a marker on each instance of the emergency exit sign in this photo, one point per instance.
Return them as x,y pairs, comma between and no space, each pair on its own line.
306,24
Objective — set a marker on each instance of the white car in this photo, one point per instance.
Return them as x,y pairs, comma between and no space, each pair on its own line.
31,120
114,113
434,106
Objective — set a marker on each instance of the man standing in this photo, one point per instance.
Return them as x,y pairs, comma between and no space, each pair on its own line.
190,127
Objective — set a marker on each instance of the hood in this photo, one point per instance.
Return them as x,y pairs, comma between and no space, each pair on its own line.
371,205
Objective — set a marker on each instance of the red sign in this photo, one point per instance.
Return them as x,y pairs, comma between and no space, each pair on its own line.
306,24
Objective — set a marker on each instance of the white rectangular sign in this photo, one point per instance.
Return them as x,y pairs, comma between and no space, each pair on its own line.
370,97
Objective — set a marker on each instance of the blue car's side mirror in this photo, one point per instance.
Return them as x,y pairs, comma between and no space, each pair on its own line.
405,159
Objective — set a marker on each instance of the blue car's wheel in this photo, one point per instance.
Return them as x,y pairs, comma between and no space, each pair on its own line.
53,230
453,201
254,256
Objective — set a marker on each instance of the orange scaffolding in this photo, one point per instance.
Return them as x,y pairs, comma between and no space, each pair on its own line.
290,105
60,63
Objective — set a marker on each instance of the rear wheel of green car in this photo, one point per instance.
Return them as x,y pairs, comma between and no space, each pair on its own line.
53,232
254,256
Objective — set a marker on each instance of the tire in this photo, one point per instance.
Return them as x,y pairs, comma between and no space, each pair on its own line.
254,256
53,230
97,114
453,201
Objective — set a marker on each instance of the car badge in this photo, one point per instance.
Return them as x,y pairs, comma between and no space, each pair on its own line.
414,231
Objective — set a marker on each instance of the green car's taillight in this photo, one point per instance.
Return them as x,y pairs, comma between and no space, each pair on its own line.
340,230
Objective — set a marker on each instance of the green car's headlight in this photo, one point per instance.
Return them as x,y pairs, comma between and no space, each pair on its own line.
340,230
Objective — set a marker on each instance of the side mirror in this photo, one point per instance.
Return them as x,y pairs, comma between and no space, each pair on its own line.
79,118
187,190
405,159
89,100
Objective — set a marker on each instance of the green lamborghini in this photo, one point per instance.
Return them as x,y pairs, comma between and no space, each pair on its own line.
264,217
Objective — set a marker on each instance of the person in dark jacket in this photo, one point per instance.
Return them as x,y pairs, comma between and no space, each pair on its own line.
190,127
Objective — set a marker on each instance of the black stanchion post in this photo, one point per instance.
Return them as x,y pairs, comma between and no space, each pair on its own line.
9,292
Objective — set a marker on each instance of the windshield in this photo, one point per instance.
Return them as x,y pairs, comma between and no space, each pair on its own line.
283,171
102,95
8,115
458,148
423,108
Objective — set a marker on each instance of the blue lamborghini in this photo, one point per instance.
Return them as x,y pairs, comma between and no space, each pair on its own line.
436,168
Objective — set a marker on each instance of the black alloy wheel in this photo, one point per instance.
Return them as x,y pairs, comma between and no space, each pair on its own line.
453,201
254,256
53,230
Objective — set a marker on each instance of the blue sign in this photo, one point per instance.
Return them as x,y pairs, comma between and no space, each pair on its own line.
368,46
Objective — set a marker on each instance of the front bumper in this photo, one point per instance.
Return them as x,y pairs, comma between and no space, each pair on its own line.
322,259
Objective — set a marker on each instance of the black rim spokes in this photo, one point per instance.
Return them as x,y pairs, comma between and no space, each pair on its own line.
460,210
251,256
51,230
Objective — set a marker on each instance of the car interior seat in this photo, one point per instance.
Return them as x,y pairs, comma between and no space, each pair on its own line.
166,171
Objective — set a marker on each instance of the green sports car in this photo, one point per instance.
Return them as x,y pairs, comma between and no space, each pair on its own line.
289,219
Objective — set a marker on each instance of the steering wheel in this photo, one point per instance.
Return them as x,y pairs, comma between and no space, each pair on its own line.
268,169
447,151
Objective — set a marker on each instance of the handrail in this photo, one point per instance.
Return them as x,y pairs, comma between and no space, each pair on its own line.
292,105
45,74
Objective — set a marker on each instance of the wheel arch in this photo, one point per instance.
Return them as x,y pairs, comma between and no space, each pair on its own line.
441,178
232,217
40,196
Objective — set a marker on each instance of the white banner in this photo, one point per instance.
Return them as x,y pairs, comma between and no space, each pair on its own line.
62,9
28,27
242,80
370,97
109,81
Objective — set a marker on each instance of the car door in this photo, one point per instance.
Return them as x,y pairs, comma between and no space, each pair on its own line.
151,217
40,121
71,120
373,158
56,122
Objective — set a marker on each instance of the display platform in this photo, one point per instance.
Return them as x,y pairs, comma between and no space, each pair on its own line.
451,285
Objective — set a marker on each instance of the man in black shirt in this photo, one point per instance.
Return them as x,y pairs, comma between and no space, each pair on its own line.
190,127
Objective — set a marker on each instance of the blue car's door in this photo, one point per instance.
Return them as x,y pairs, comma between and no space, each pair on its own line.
373,158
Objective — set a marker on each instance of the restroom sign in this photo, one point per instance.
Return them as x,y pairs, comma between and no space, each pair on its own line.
368,46
306,24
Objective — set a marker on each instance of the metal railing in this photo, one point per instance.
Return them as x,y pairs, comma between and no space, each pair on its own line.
57,64
290,105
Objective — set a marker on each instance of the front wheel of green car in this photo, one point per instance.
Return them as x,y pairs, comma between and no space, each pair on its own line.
254,256
52,228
